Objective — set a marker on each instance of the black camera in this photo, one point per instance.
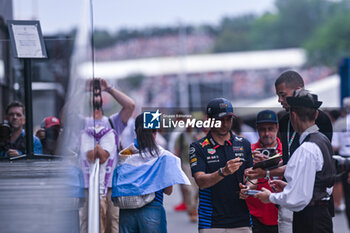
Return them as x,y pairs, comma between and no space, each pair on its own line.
5,130
97,97
5,135
96,87
269,152
342,163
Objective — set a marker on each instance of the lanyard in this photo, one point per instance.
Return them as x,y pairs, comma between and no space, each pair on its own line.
291,140
273,148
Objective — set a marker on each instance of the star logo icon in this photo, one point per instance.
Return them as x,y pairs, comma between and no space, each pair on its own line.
155,115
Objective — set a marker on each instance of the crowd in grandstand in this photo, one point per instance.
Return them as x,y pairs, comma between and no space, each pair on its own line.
166,92
159,46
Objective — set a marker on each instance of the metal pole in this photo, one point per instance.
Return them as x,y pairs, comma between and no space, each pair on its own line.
28,107
183,88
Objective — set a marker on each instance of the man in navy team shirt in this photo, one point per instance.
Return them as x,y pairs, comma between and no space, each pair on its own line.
216,167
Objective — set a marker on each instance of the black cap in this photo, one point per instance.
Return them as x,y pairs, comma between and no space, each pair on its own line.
308,101
219,107
267,116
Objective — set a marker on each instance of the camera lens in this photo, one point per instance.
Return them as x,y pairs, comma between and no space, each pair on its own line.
265,152
5,130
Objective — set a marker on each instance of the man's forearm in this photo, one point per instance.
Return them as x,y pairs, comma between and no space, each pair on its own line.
128,105
204,180
278,171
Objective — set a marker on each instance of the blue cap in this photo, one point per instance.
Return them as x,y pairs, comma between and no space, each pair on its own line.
219,107
267,116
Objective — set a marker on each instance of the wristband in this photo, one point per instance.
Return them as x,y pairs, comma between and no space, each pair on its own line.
108,89
221,173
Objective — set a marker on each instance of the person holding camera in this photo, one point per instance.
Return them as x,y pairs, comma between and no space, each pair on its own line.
310,172
48,134
17,143
265,216
285,85
217,162
116,122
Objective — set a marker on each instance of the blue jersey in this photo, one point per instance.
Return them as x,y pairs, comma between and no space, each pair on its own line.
159,196
220,205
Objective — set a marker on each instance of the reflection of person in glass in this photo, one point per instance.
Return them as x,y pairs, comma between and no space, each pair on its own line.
116,122
309,172
49,133
105,151
16,118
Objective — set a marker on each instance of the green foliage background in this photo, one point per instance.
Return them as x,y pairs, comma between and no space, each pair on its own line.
322,27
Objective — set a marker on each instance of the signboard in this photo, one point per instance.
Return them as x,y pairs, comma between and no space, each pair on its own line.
26,39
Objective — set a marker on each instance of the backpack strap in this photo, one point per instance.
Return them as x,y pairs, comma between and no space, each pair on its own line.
110,122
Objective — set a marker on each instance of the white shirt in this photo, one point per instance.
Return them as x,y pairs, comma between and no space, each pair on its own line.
300,174
341,135
107,142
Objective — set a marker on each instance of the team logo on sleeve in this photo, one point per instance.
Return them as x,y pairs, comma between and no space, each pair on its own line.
193,160
191,150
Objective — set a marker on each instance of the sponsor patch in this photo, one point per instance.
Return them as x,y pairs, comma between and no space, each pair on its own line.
223,105
240,148
238,139
205,143
239,154
212,157
191,150
211,151
193,164
214,161
193,160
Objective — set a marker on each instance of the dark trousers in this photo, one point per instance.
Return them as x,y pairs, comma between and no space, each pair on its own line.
346,189
259,227
313,219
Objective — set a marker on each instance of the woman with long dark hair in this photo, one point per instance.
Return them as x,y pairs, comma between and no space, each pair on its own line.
144,173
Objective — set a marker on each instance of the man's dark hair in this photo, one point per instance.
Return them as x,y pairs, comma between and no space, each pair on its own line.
14,104
291,78
304,113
